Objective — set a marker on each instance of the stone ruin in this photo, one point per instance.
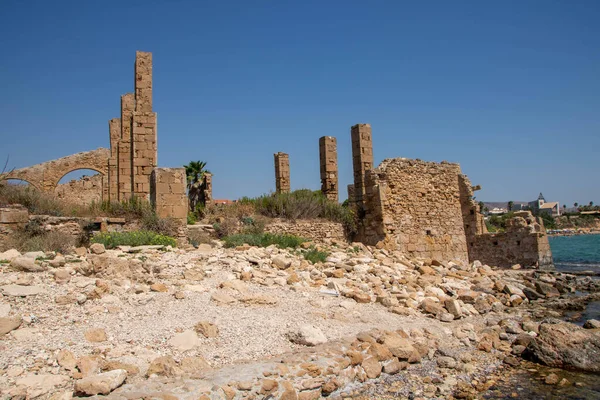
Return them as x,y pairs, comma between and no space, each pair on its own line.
425,209
127,167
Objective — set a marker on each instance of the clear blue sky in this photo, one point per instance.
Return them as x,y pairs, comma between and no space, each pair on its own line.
510,89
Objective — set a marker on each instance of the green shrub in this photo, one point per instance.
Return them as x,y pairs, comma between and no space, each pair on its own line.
314,256
263,240
191,218
25,241
110,240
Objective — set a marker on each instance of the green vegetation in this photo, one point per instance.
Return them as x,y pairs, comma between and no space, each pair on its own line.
110,240
263,240
191,218
195,171
314,255
497,223
302,204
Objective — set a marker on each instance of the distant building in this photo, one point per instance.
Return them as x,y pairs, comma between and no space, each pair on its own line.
519,207
497,211
541,206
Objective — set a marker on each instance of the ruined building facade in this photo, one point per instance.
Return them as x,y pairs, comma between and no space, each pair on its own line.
427,210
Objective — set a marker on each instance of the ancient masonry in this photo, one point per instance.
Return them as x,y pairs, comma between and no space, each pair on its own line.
282,172
329,167
362,159
127,167
168,196
427,210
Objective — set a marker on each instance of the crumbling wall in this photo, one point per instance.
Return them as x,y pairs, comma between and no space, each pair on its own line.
168,196
85,190
12,218
524,242
414,206
362,161
318,231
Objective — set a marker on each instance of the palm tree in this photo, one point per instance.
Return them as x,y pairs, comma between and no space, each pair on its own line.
195,171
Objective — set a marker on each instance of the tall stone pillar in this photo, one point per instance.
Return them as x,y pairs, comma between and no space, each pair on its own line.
329,167
144,143
207,189
168,197
125,154
362,159
282,172
114,129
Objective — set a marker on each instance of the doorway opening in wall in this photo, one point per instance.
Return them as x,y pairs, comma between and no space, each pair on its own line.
81,186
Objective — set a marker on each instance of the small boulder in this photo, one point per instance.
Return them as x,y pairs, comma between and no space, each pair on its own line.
184,341
592,324
281,262
26,264
9,324
207,329
97,248
308,335
9,255
103,383
96,335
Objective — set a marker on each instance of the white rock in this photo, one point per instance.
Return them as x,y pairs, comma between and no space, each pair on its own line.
38,385
308,335
102,383
186,340
4,310
9,255
16,290
27,264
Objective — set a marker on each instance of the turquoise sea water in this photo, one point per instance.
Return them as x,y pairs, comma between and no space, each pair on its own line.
576,253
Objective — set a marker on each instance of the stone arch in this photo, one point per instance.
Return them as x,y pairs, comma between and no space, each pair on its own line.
45,176
12,178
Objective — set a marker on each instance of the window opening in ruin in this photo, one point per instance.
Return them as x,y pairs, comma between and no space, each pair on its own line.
428,232
518,242
472,212
495,243
82,186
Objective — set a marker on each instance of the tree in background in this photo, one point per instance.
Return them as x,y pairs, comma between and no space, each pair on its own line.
195,171
510,205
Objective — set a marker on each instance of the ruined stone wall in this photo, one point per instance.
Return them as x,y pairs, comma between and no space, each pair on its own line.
168,196
414,206
282,172
329,167
12,218
85,190
318,231
524,242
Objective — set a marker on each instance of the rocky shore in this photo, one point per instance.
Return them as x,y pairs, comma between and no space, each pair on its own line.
258,323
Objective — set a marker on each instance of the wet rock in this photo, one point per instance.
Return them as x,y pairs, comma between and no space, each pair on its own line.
547,289
565,345
103,383
592,324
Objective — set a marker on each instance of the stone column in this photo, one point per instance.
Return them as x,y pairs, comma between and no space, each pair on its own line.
125,161
329,167
207,185
350,189
282,172
362,159
114,129
144,143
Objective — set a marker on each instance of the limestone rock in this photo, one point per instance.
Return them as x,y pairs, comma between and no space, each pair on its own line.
96,335
281,262
9,324
62,276
372,367
39,385
67,360
193,365
186,340
4,310
194,274
565,345
9,255
546,289
103,383
26,264
207,329
97,248
308,335
453,307
222,298
159,287
394,366
163,366
399,346
20,291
